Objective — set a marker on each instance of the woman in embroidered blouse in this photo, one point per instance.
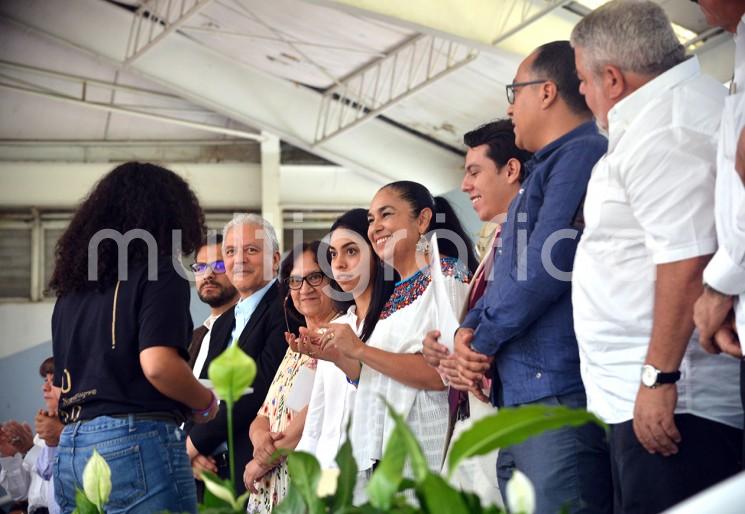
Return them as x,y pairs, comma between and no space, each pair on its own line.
276,425
391,363
360,275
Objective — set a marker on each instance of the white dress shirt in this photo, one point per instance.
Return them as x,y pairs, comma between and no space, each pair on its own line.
205,348
726,271
650,201
245,308
331,403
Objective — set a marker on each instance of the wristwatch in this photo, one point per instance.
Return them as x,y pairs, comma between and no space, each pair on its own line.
652,377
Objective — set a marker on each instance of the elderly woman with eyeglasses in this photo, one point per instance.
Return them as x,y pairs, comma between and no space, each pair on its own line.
277,426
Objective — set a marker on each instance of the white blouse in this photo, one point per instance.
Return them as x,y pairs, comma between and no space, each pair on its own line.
331,403
409,314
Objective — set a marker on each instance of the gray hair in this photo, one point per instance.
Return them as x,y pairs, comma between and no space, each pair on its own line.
634,35
240,219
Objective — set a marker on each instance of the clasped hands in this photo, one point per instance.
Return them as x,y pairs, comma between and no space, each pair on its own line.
329,342
465,369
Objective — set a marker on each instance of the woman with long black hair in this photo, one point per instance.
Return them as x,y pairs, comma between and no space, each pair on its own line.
402,219
120,329
360,275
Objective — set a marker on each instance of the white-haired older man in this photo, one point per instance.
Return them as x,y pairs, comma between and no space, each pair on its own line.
673,410
256,323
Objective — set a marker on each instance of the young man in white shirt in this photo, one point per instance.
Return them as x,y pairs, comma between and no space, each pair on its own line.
719,312
676,422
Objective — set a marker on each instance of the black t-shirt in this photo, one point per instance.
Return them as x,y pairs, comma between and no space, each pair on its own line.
100,374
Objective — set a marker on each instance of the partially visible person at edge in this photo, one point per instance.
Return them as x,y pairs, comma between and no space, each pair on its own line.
521,330
28,477
119,334
279,424
719,312
360,275
493,174
402,217
675,419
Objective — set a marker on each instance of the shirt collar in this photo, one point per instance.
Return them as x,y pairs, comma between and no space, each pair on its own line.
625,112
246,306
586,128
210,321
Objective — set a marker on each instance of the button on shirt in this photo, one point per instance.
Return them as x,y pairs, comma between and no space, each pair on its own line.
245,308
650,201
726,270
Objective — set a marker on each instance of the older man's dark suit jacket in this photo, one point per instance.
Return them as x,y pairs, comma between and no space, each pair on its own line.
262,339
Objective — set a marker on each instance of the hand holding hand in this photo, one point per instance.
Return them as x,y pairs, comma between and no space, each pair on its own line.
49,427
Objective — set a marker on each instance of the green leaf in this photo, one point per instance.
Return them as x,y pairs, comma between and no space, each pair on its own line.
347,477
387,476
97,480
305,472
241,501
83,505
438,497
219,493
231,373
418,461
511,426
292,503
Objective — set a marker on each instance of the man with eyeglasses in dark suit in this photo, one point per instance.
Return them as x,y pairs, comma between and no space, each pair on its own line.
214,289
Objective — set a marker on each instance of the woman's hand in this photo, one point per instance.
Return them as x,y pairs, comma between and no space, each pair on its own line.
49,427
253,472
432,350
20,436
266,447
343,338
309,343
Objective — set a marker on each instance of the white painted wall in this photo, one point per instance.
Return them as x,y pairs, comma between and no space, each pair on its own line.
217,185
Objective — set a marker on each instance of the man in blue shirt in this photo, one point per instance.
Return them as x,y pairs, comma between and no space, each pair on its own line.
521,331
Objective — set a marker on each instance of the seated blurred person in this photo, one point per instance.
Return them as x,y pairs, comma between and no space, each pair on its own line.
27,461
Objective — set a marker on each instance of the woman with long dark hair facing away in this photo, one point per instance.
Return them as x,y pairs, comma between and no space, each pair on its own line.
360,275
120,329
402,217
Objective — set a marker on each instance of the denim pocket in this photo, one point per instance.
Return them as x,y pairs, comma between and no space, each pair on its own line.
127,476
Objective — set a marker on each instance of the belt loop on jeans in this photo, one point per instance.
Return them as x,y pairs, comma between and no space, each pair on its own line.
131,421
75,426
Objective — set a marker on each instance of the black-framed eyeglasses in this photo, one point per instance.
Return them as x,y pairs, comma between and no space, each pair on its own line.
314,279
201,268
510,88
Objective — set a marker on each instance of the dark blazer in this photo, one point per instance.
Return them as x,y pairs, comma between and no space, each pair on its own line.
197,337
263,339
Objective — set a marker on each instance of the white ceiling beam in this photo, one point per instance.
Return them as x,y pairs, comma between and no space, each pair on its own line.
204,77
154,20
384,82
100,106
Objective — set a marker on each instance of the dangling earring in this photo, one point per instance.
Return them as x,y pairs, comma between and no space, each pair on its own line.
423,246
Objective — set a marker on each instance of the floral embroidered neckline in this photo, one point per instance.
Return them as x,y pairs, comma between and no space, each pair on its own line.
408,290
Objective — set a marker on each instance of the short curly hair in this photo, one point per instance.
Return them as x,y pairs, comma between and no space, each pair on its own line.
133,196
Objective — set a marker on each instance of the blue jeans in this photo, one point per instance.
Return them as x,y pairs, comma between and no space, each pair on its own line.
150,470
569,467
